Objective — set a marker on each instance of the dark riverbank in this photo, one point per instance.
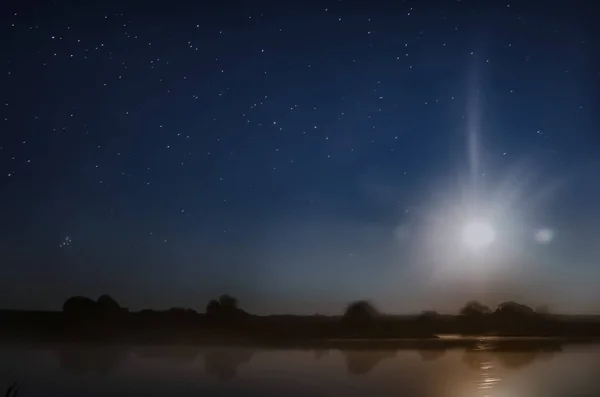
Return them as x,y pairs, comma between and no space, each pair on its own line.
186,327
105,321
438,343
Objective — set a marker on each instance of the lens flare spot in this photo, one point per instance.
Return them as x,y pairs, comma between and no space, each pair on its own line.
544,236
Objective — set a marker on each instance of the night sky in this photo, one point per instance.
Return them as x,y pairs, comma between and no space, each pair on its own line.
299,155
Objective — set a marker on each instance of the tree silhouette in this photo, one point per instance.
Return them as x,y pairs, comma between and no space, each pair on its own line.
107,305
225,310
514,309
360,313
474,309
79,307
213,307
228,302
517,319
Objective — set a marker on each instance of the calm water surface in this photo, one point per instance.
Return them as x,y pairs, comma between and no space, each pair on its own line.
219,371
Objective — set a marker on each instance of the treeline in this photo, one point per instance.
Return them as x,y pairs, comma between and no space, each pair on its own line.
359,319
224,319
511,319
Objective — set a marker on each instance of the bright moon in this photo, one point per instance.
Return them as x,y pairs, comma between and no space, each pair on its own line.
478,234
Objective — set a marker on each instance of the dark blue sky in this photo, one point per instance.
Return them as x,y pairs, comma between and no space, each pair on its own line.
299,154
